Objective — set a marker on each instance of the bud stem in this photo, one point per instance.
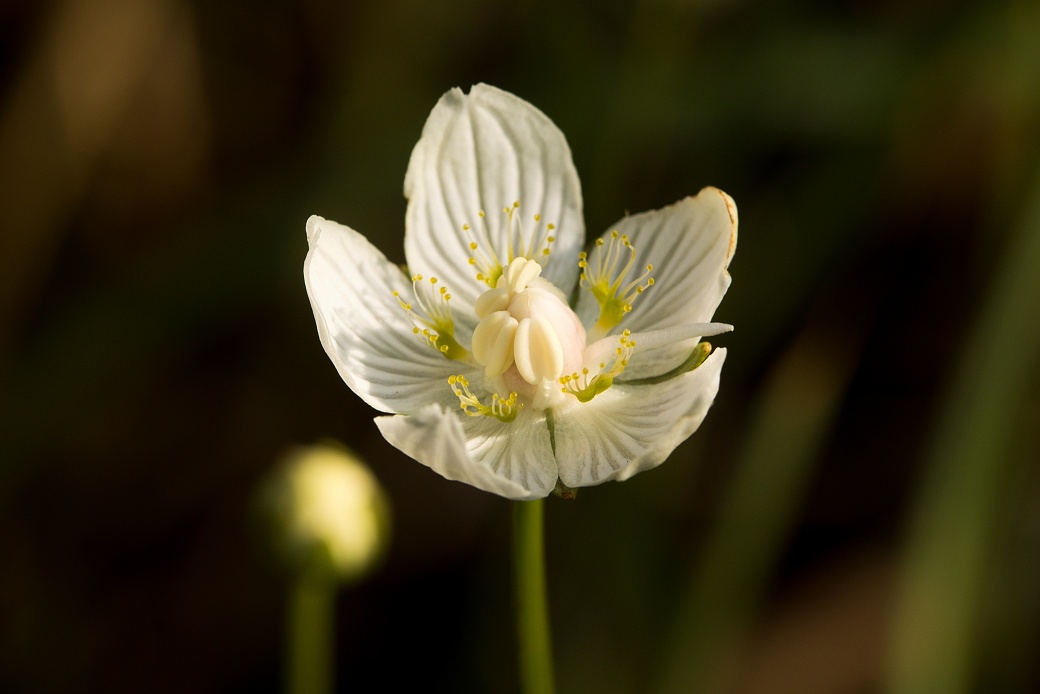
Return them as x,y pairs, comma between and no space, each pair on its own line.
310,634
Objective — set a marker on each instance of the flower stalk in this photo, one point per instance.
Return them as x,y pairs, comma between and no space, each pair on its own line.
311,630
532,607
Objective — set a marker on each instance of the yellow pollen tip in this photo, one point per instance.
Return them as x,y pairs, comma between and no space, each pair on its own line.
503,409
431,316
587,386
607,273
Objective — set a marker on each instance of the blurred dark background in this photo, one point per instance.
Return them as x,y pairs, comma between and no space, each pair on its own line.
858,512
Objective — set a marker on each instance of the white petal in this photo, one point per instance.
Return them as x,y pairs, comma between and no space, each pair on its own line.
659,351
484,151
513,459
690,245
365,332
628,429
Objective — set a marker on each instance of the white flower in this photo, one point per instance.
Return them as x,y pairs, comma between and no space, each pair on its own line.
510,359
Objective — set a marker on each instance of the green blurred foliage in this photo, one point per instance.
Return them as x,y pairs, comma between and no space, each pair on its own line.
158,355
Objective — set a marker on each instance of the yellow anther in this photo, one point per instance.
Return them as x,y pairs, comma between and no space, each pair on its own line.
431,316
503,409
606,273
490,259
584,387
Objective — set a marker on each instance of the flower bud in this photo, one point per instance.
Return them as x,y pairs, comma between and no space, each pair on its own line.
325,513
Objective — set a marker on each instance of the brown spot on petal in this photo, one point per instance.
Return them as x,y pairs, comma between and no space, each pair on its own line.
731,209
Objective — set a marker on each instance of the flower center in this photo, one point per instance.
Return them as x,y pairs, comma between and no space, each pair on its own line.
529,341
527,336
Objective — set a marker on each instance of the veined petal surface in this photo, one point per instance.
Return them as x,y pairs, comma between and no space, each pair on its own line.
362,327
513,460
689,244
484,151
628,429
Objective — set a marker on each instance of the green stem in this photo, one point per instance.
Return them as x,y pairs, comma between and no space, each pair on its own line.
311,630
532,609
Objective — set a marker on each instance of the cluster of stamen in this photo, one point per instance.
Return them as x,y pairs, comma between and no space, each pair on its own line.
534,243
503,409
606,276
586,385
526,333
433,321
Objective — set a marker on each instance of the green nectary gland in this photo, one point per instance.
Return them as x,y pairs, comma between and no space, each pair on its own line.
696,358
611,309
454,351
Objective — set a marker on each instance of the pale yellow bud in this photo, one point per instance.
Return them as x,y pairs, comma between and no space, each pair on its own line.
327,512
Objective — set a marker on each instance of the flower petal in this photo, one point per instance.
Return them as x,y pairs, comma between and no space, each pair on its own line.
690,245
628,429
362,327
484,151
657,352
513,460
